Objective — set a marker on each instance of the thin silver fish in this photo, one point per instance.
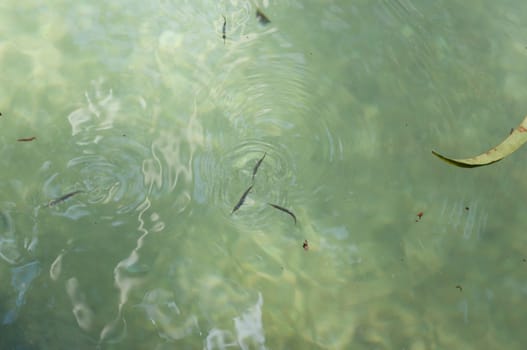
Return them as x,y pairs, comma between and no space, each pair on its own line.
262,18
255,169
63,198
284,210
242,199
224,36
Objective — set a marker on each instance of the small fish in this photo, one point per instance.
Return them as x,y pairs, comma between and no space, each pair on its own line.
305,245
27,139
63,198
284,210
242,199
255,169
224,30
262,18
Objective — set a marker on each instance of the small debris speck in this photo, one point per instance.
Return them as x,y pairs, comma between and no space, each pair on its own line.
305,245
459,287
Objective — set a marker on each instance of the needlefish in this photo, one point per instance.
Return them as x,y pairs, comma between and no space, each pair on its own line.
224,29
284,210
255,169
242,199
262,18
63,198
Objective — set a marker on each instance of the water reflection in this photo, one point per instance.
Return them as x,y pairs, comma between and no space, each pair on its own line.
150,174
249,332
21,279
162,310
82,312
161,124
9,251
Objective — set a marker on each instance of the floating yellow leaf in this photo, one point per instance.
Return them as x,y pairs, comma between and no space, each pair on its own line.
517,138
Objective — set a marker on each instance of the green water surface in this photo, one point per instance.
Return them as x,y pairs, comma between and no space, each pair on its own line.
160,122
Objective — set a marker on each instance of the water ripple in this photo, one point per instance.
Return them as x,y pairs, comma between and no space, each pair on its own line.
221,181
264,92
111,175
108,167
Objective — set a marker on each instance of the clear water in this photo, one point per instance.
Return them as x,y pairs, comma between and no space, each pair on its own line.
142,106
